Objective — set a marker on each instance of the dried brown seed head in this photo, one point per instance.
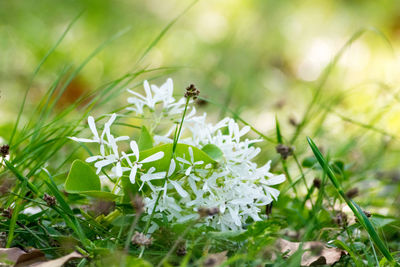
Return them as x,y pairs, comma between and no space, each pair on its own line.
367,213
353,192
284,150
204,212
341,219
293,121
181,250
141,239
7,213
4,150
317,183
192,91
50,200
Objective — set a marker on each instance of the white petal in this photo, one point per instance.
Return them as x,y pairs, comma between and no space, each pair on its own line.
93,158
132,175
274,192
275,180
102,150
179,188
147,90
114,146
135,149
133,99
235,216
121,138
183,161
152,176
153,157
172,167
118,169
105,162
111,120
191,154
244,130
187,172
92,127
82,140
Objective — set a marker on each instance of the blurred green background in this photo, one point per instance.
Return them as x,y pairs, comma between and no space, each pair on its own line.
259,58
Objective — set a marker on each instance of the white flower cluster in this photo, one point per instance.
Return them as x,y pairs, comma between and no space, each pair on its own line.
236,185
109,152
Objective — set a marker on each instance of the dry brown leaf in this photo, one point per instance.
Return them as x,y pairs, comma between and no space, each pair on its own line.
33,258
60,261
316,252
216,259
20,257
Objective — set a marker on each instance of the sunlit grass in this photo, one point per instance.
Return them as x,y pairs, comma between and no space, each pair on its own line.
361,156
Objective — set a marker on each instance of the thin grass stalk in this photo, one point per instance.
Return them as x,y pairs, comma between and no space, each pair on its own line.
357,211
36,72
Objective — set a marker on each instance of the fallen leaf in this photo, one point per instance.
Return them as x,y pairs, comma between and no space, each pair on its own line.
60,261
34,258
316,253
18,256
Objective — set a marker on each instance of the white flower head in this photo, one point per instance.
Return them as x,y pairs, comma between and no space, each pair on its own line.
155,95
138,163
108,146
236,185
191,163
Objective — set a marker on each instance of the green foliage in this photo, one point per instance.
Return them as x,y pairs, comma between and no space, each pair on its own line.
82,178
361,141
213,151
182,151
358,212
145,139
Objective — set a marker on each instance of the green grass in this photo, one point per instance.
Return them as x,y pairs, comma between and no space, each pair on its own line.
41,155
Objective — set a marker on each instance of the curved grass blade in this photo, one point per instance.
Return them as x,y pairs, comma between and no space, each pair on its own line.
361,217
36,72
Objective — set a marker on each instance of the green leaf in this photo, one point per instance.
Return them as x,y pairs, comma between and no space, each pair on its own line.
82,178
381,221
100,194
145,139
213,151
182,151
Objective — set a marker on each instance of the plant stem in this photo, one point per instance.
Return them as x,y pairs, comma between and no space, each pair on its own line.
175,143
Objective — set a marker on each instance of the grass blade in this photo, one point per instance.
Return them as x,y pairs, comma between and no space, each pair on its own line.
36,72
358,212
